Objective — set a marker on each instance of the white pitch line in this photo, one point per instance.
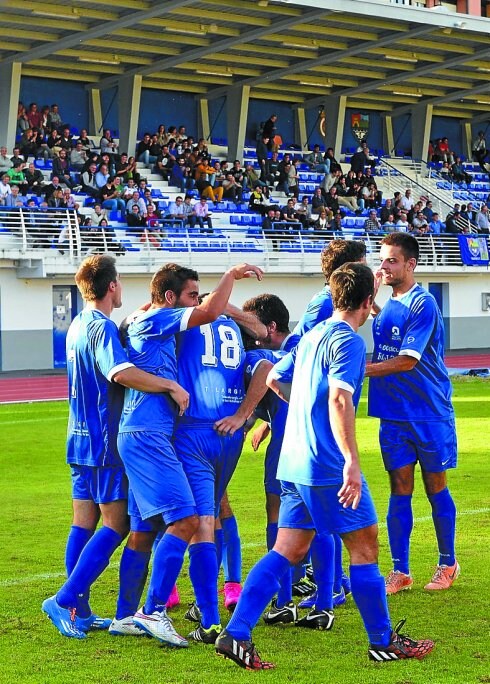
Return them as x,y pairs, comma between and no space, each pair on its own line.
31,420
13,582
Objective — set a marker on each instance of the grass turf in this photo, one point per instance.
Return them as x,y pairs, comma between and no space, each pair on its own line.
35,518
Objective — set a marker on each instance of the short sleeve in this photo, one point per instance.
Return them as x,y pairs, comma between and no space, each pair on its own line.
283,370
346,358
108,351
420,327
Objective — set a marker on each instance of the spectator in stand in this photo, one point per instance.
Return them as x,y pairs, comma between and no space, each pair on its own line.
102,176
78,157
252,180
5,189
65,141
89,183
257,201
482,222
420,224
98,213
428,211
52,143
293,179
407,200
232,189
165,162
388,226
453,222
332,203
129,188
143,149
282,184
54,118
458,173
34,116
346,196
201,211
289,213
322,223
402,224
262,152
269,131
69,199
274,171
334,164
34,178
317,162
372,224
239,174
162,135
87,144
29,143
444,152
17,157
61,168
329,180
479,149
386,210
17,177
361,159
303,212
56,200
111,198
176,209
22,120
317,202
108,145
188,212
139,201
127,168
436,226
206,190
181,176
5,161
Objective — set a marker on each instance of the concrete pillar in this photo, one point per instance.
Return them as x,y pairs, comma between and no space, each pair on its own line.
469,7
334,123
9,101
467,138
95,112
388,137
203,128
236,120
421,125
129,97
300,134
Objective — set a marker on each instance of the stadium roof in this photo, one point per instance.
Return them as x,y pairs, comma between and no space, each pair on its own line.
379,55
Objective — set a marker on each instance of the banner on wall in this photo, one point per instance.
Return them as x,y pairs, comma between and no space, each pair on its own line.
359,124
474,250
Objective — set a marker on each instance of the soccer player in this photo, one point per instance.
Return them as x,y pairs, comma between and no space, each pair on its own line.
323,487
98,368
155,474
410,392
211,361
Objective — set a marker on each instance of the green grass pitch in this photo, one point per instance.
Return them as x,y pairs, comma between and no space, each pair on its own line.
35,517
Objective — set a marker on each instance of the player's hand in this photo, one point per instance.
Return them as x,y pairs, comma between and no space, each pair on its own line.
181,398
259,435
350,492
378,278
229,425
246,271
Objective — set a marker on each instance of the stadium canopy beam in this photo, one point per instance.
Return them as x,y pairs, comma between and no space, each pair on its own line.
334,108
323,60
10,88
218,46
129,98
102,29
421,122
236,120
479,118
449,97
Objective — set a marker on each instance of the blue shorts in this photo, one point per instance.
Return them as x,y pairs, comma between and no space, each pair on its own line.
271,484
318,508
432,444
156,476
209,461
100,485
136,522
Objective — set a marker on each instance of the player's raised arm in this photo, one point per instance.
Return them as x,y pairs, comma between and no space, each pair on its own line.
248,321
215,303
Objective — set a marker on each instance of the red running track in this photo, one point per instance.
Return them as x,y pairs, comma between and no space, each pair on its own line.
46,387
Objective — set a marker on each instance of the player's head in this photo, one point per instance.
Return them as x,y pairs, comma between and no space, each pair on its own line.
399,254
175,286
97,277
352,287
273,313
341,252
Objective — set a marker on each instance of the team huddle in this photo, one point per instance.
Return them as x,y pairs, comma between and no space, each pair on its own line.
158,413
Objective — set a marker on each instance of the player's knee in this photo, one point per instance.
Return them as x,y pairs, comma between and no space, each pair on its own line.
186,528
141,541
434,482
401,481
272,503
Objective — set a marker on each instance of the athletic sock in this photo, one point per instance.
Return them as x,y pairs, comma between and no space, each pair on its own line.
400,523
322,558
260,586
444,517
77,538
157,540
369,592
298,572
285,593
133,571
92,562
203,573
167,563
338,568
218,540
232,550
271,535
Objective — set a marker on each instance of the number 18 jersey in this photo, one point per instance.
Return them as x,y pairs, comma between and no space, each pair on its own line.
211,363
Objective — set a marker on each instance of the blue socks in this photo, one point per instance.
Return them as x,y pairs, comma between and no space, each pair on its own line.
232,551
133,571
369,592
400,523
444,517
92,562
338,569
285,593
167,562
218,541
322,559
203,573
77,538
271,534
260,586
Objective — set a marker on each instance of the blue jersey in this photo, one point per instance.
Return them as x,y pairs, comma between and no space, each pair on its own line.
411,325
211,361
94,355
330,355
150,341
319,309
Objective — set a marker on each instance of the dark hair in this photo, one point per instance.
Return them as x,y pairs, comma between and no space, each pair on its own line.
340,252
350,285
95,275
269,308
170,277
407,243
